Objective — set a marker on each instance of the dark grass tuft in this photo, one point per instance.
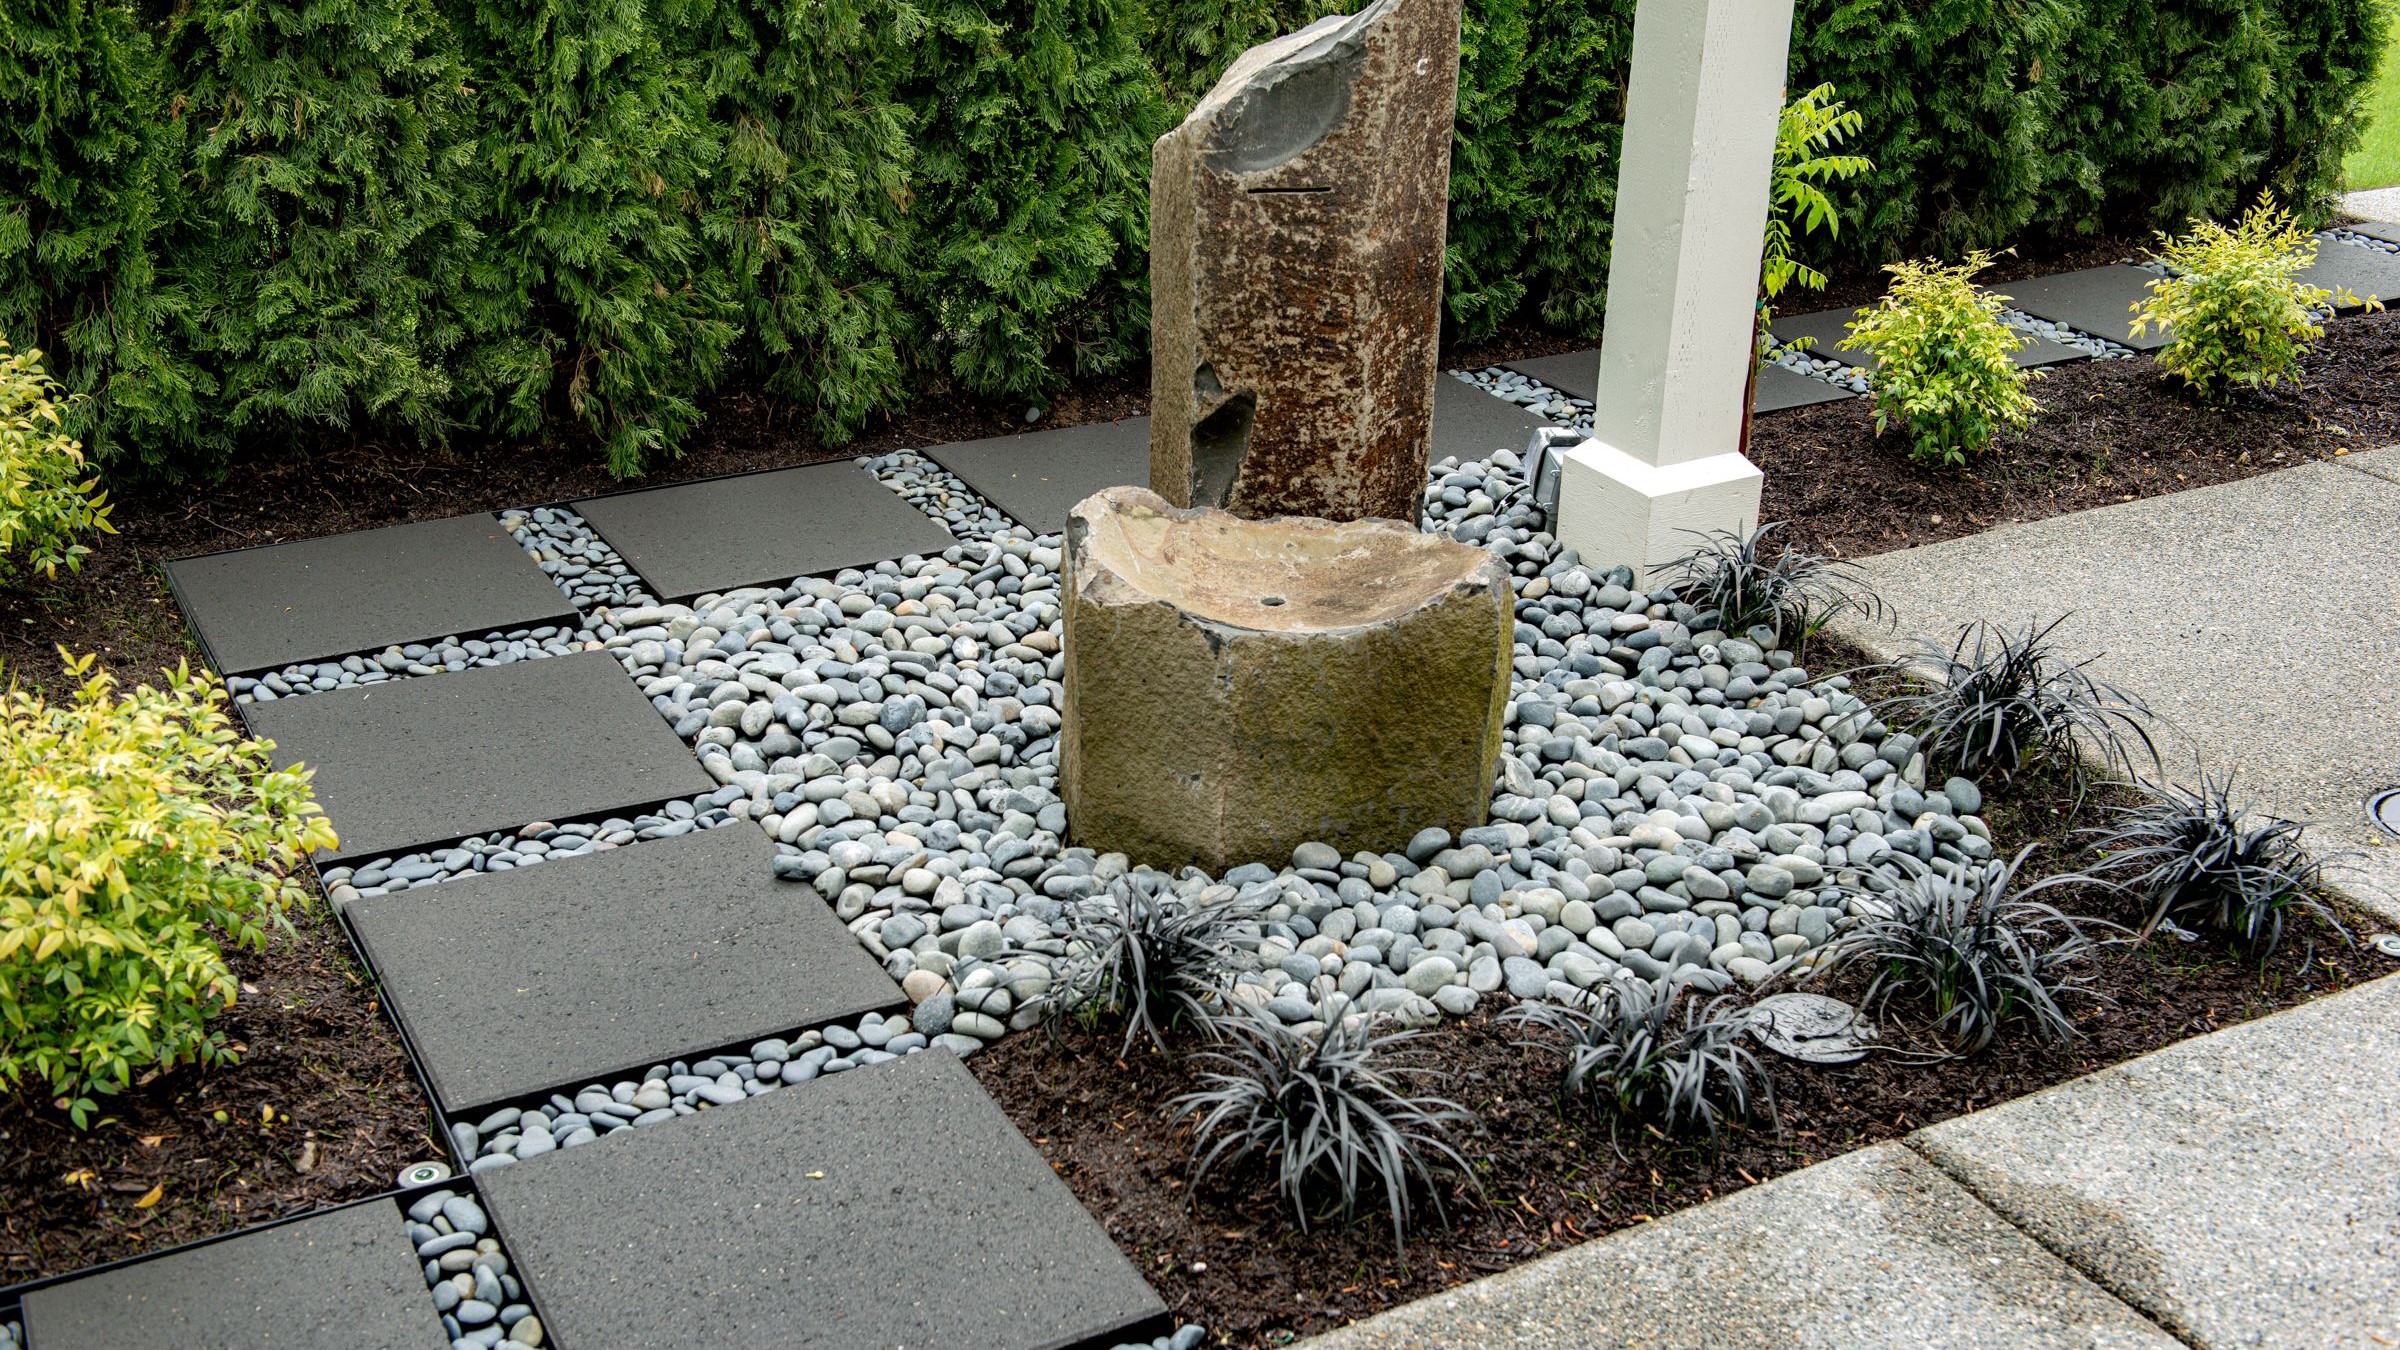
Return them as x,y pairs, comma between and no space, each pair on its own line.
1751,581
1629,1051
1337,1117
1151,957
2202,859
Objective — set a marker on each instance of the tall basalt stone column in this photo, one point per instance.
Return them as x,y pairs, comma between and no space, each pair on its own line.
1296,270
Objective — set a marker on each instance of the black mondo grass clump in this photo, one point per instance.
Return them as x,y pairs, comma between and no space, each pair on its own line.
2201,859
1750,580
1657,1056
1153,958
1338,1117
1996,702
1974,950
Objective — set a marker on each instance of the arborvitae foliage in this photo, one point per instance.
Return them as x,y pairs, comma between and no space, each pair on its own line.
594,294
1190,42
1032,211
2170,111
326,143
1956,96
1568,125
1491,180
87,177
808,216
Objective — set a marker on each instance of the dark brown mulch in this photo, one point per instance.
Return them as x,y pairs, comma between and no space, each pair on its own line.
323,1108
1552,1174
2108,432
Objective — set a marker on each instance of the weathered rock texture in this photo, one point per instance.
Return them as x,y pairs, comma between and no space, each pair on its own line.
1235,688
1296,223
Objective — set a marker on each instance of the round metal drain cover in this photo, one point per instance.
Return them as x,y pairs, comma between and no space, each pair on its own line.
1811,1028
2384,809
423,1174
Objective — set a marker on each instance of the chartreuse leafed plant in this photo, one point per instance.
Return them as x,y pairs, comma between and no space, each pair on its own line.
2204,859
1813,123
2234,303
137,830
46,495
1340,1118
1944,366
1657,1056
1975,951
1752,580
1995,702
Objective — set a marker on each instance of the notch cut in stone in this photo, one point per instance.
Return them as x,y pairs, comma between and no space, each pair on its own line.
1235,688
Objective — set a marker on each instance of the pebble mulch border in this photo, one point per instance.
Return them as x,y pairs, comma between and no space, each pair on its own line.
481,1302
2380,245
527,846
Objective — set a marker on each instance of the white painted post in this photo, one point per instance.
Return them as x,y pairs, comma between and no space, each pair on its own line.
1700,119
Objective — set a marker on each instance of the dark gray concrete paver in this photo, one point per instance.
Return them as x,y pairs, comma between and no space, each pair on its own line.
890,1206
2380,229
760,529
1575,374
431,760
259,608
2368,273
1828,327
342,1277
586,968
1779,389
1471,424
2098,300
2180,599
2242,1188
1875,1249
1038,476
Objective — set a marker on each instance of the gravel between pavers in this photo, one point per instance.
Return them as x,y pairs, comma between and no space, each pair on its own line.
466,1269
2362,240
12,1334
541,841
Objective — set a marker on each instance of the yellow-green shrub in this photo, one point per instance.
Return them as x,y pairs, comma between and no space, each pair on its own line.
45,496
2234,301
1944,360
137,831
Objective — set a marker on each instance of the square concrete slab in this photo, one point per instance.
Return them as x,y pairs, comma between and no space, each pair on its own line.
2379,229
1875,1249
550,977
1471,424
2098,300
2369,273
1827,328
2241,1188
1779,389
259,608
341,1277
760,529
1037,477
2167,594
891,1206
433,760
1575,374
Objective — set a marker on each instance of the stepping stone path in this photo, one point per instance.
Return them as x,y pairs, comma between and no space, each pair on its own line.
2096,300
891,1206
517,983
425,761
1038,476
1826,329
2369,273
757,528
339,1277
259,608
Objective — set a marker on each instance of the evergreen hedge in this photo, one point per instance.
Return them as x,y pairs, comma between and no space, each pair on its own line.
265,222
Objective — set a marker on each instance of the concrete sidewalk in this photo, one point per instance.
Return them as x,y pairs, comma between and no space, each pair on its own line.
2260,619
2241,1188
